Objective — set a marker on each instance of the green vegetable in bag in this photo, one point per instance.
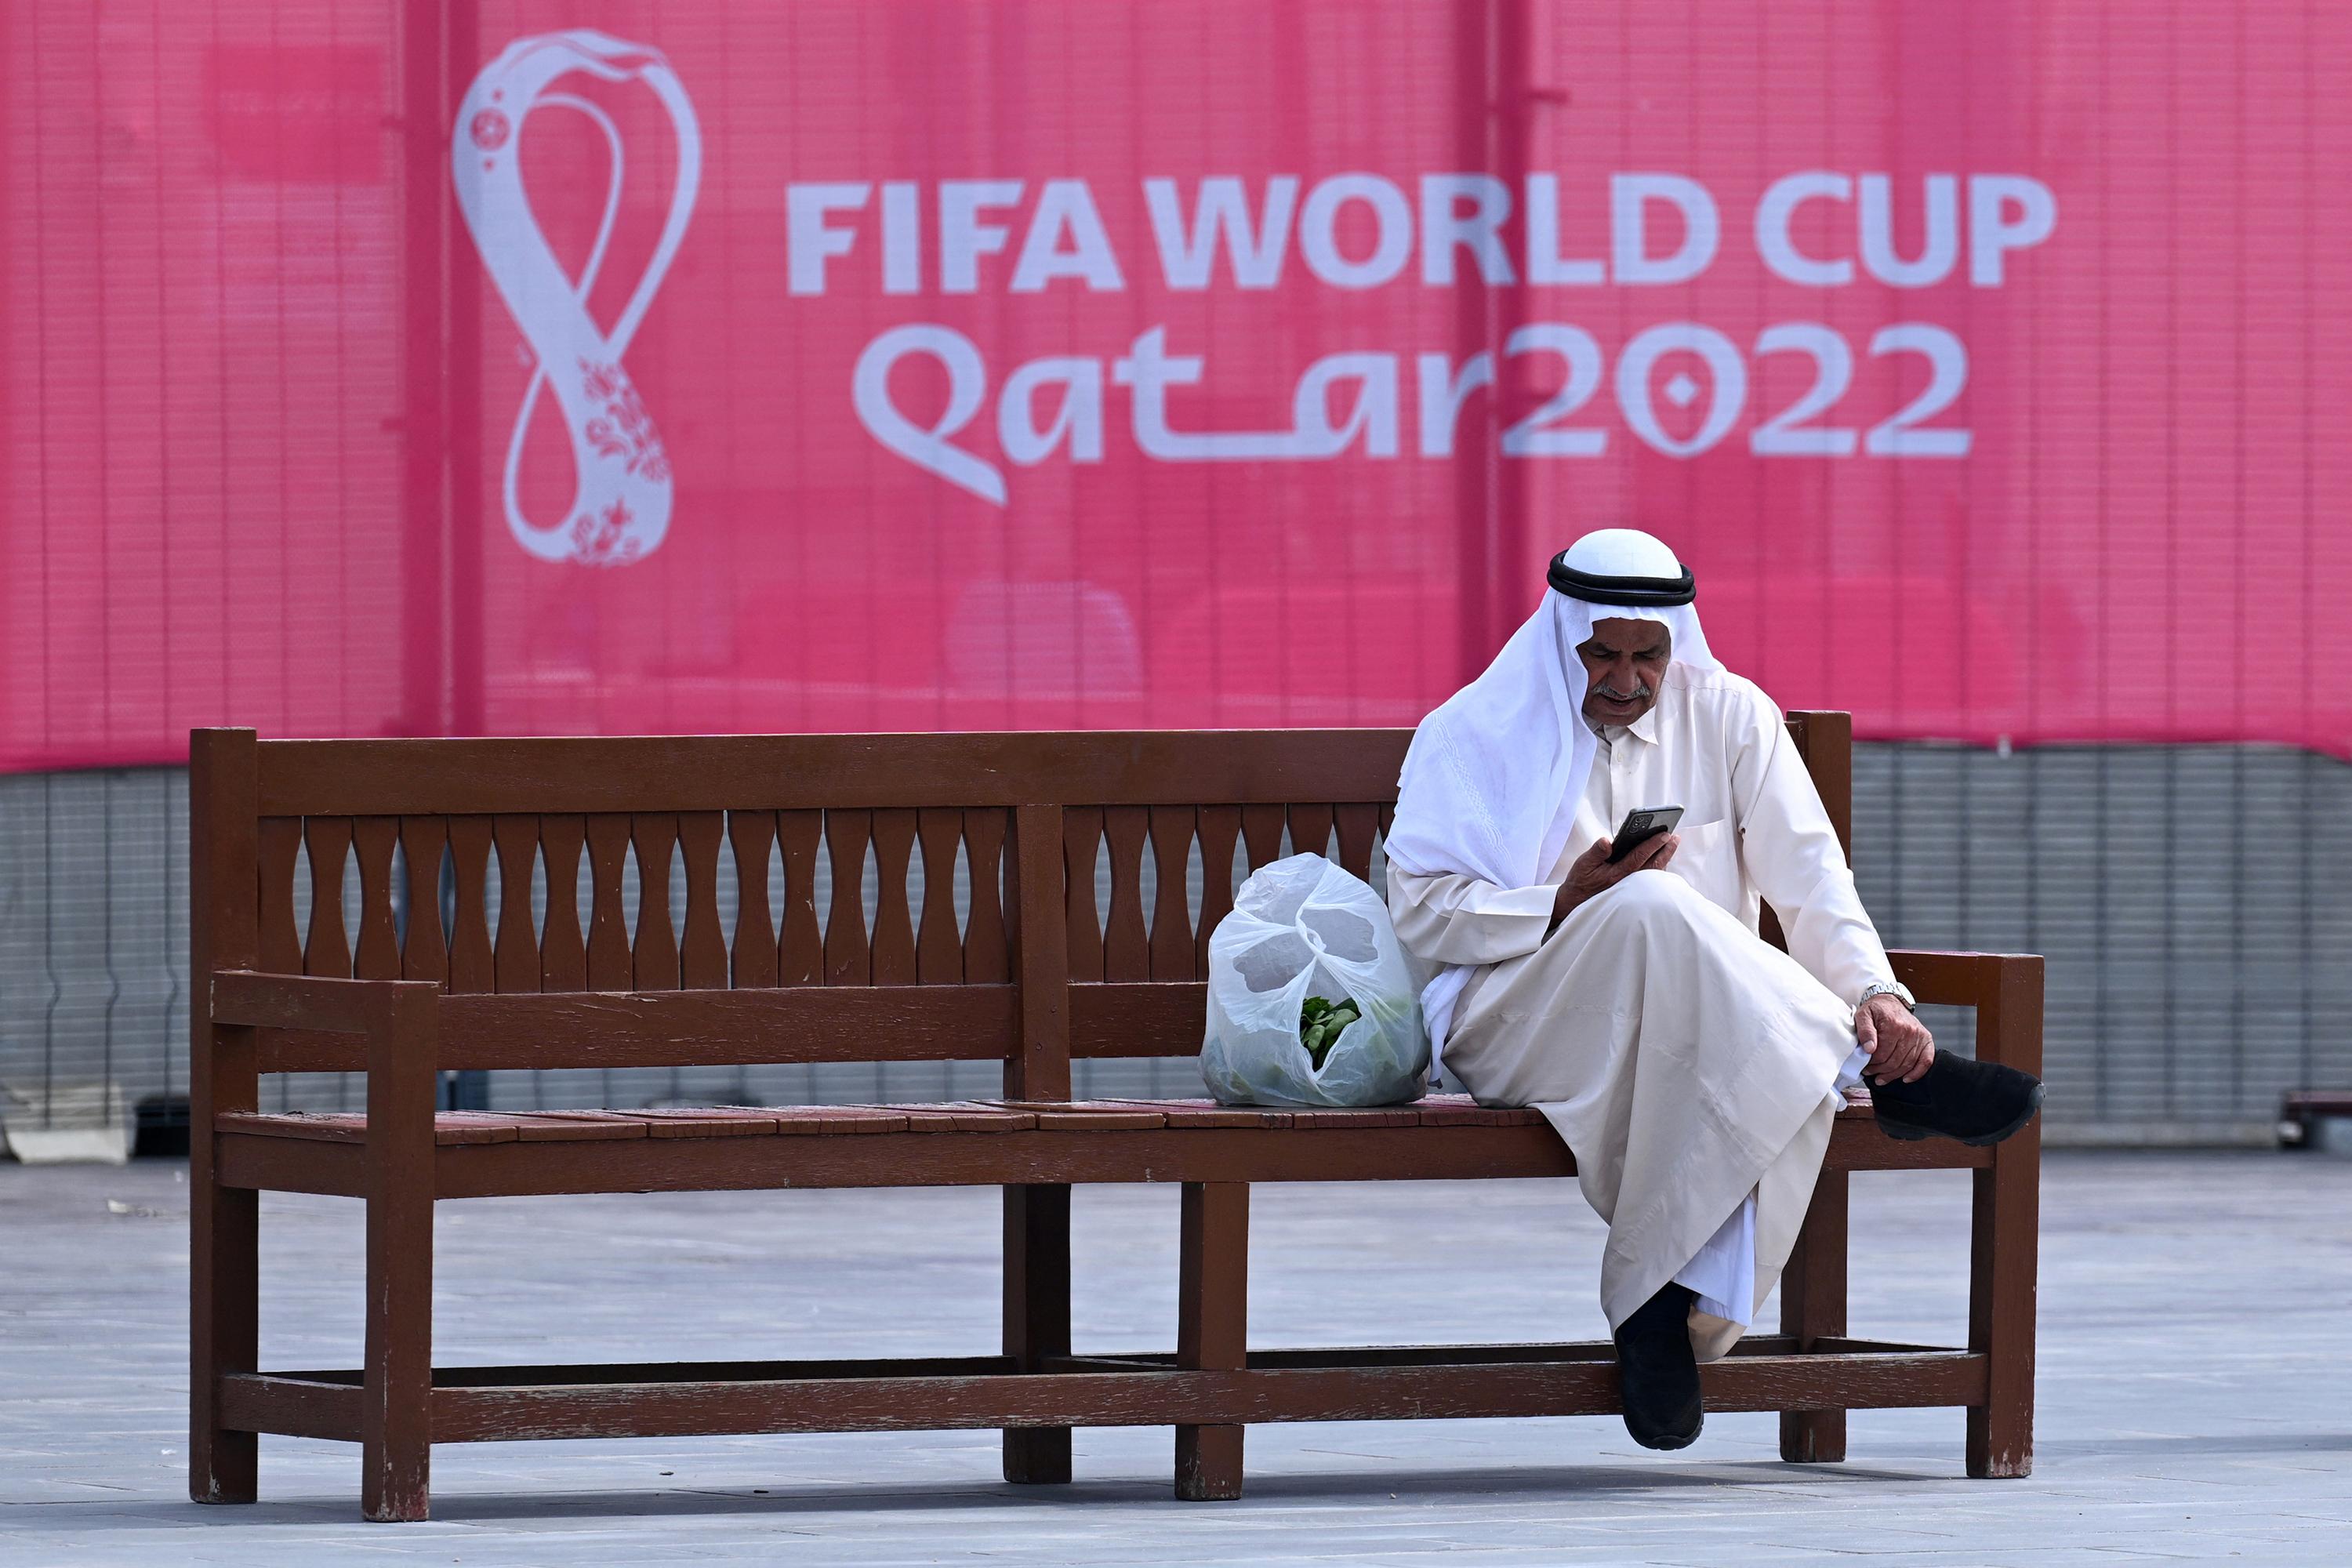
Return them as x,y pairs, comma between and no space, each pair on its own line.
1320,1023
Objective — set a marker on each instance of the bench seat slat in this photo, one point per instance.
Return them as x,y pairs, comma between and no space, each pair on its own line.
335,1127
1209,1113
847,1118
449,1127
957,1116
461,1126
575,1126
715,1121
1086,1115
475,1127
1383,1116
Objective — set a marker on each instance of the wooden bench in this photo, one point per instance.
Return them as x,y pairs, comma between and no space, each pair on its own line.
1033,976
2306,1117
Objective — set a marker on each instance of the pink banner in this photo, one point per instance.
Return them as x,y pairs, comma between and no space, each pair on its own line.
597,367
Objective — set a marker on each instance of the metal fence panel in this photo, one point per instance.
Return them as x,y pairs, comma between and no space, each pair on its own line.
2195,904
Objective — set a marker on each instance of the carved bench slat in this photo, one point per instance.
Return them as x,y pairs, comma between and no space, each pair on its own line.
562,945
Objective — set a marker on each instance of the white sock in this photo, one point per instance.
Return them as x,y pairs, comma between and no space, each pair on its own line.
1723,1271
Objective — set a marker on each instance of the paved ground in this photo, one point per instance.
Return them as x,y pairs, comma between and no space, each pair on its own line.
2194,1401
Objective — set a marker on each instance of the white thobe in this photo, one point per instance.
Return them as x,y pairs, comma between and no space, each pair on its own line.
1692,1069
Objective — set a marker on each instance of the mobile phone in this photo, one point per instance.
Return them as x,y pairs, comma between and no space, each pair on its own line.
1640,827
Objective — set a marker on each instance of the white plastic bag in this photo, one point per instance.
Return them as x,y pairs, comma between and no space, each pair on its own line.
1300,928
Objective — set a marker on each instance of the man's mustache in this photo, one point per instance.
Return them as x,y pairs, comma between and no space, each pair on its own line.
1640,693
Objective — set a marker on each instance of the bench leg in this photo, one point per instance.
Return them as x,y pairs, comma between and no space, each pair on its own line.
396,1425
225,1290
1212,1328
395,1410
2005,1235
1036,1318
223,1075
1812,1306
2001,1285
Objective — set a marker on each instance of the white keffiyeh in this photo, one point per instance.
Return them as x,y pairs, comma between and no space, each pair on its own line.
1493,777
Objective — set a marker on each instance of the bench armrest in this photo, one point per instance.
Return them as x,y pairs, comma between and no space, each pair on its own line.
2005,989
321,1025
398,1026
251,999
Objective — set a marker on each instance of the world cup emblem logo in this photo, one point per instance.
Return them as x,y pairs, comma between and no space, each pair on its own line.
622,489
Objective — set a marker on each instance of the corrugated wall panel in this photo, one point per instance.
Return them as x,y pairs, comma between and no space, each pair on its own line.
2195,904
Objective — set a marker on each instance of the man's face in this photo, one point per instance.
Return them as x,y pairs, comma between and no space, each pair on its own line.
1624,662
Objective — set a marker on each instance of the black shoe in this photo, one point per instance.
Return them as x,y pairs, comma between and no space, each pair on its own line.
1976,1102
1658,1375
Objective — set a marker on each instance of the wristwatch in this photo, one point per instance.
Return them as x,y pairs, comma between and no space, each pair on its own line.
1894,988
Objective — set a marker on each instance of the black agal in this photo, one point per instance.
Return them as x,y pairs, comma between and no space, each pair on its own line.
1652,592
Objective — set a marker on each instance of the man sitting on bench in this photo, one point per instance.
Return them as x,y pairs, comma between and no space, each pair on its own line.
1692,1069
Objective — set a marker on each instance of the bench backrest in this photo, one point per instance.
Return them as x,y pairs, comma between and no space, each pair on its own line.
1021,963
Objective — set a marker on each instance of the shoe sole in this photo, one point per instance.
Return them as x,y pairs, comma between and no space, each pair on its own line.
1912,1132
1668,1445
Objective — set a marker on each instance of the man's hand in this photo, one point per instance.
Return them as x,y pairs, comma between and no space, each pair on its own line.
1591,874
1899,1045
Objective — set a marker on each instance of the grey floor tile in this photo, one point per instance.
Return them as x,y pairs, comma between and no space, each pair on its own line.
2189,1303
